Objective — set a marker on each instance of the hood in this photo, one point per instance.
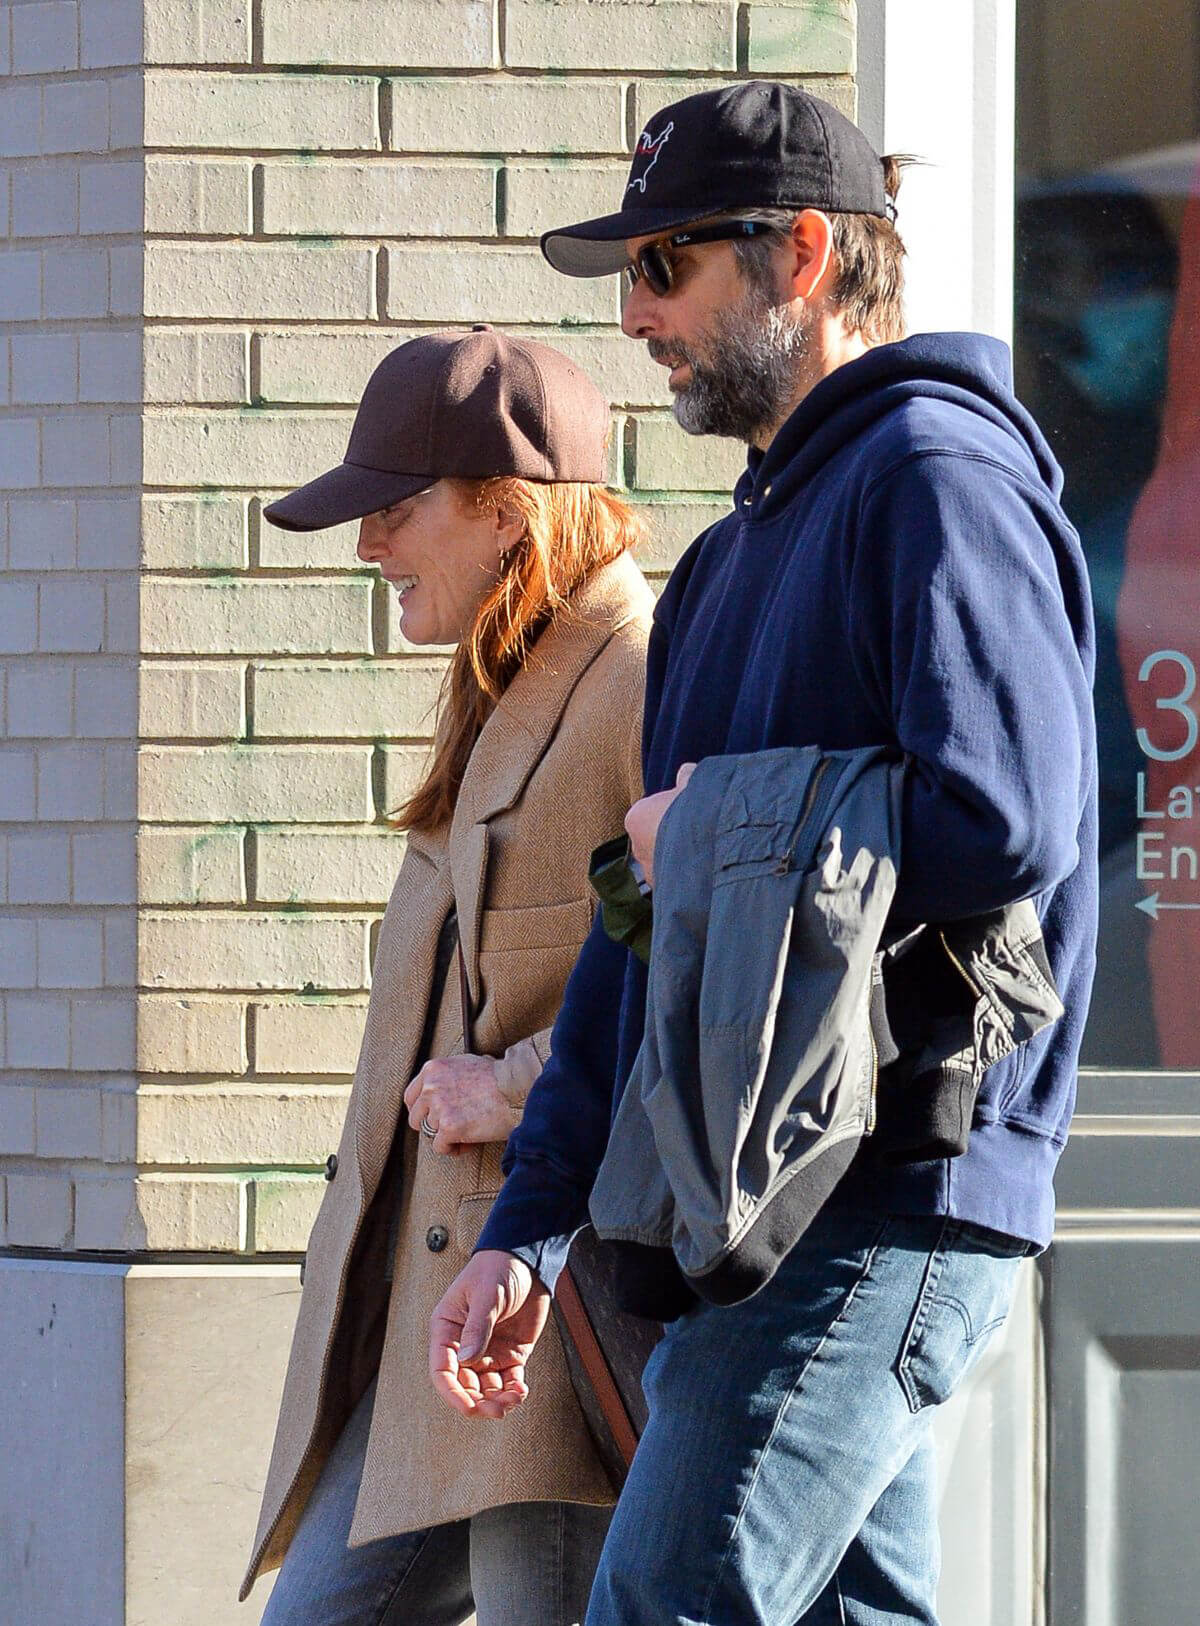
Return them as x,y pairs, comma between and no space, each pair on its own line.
967,370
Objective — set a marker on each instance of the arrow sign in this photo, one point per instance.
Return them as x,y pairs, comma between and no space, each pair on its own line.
1151,906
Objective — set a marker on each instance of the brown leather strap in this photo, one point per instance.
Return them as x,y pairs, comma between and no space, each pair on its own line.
583,1336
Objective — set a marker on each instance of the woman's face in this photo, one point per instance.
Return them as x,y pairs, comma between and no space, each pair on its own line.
442,557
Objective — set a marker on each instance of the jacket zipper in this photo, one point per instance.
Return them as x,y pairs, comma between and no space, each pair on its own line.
958,965
869,1128
785,863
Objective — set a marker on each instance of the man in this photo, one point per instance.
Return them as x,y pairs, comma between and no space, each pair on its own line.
896,571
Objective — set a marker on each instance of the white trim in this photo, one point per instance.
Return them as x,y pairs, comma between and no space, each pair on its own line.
937,79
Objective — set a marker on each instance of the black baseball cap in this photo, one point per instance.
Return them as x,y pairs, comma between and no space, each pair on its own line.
466,405
752,145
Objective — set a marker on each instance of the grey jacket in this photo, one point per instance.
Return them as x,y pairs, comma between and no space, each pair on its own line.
758,1071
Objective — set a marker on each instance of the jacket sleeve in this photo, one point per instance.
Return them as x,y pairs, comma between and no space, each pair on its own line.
972,631
519,1066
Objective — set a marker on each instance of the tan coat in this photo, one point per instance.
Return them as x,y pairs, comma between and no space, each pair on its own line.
551,776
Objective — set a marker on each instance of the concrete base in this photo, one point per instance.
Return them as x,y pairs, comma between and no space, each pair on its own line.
139,1407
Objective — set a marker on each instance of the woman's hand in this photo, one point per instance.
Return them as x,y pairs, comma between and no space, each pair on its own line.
455,1102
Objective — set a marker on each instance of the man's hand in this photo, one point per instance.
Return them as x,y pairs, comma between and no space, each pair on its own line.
644,817
456,1100
482,1333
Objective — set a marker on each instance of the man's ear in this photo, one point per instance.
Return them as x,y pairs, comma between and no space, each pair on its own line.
811,264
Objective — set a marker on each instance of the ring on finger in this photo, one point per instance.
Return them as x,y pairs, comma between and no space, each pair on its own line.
428,1129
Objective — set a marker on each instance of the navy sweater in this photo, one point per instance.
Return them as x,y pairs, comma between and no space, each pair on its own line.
897,570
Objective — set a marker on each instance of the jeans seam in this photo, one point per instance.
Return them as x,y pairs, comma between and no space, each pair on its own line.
395,1586
868,1263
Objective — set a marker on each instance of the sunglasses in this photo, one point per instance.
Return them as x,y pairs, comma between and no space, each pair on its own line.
654,262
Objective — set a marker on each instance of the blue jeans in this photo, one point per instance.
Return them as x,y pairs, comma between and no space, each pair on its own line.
529,1562
787,1471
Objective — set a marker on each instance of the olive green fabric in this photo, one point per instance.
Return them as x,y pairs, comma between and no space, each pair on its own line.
625,910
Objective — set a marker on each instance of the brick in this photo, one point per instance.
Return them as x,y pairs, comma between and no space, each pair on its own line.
104,867
403,768
17,772
75,282
71,616
16,1120
70,953
201,701
102,1035
45,199
198,865
39,702
507,115
120,781
75,116
251,448
19,441
667,459
193,533
20,119
197,195
42,533
671,527
334,549
110,198
110,32
20,285
106,1215
76,450
110,367
636,34
125,281
285,1209
18,616
384,198
314,866
108,533
121,615
542,195
189,365
39,868
308,1038
120,947
68,1122
203,1213
106,701
250,617
217,951
652,94
296,281
197,31
272,784
496,284
814,37
18,951
45,37
621,369
367,700
378,33
39,1206
39,1030
308,112
70,782
125,113
263,1124
306,365
118,1122
192,1035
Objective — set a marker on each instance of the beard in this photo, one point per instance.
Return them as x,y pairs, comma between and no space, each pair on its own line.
744,378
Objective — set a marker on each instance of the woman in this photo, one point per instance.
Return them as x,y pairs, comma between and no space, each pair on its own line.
476,464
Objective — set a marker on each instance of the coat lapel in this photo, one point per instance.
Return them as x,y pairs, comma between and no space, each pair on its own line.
516,735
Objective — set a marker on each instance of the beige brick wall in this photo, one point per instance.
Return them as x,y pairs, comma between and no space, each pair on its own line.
220,217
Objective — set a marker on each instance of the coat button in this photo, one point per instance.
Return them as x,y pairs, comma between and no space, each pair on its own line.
331,1166
436,1238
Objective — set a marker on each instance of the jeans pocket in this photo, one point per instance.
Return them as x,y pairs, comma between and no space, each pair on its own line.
965,1295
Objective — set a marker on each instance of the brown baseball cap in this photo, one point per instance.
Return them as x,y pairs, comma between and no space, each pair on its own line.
465,405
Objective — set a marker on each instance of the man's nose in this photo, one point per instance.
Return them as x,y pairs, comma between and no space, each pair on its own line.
639,313
370,539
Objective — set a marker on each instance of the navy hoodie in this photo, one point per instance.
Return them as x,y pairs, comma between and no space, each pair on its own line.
897,570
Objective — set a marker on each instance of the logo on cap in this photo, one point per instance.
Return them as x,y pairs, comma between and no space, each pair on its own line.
647,148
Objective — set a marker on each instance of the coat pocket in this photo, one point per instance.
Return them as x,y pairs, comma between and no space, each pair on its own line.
471,1218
